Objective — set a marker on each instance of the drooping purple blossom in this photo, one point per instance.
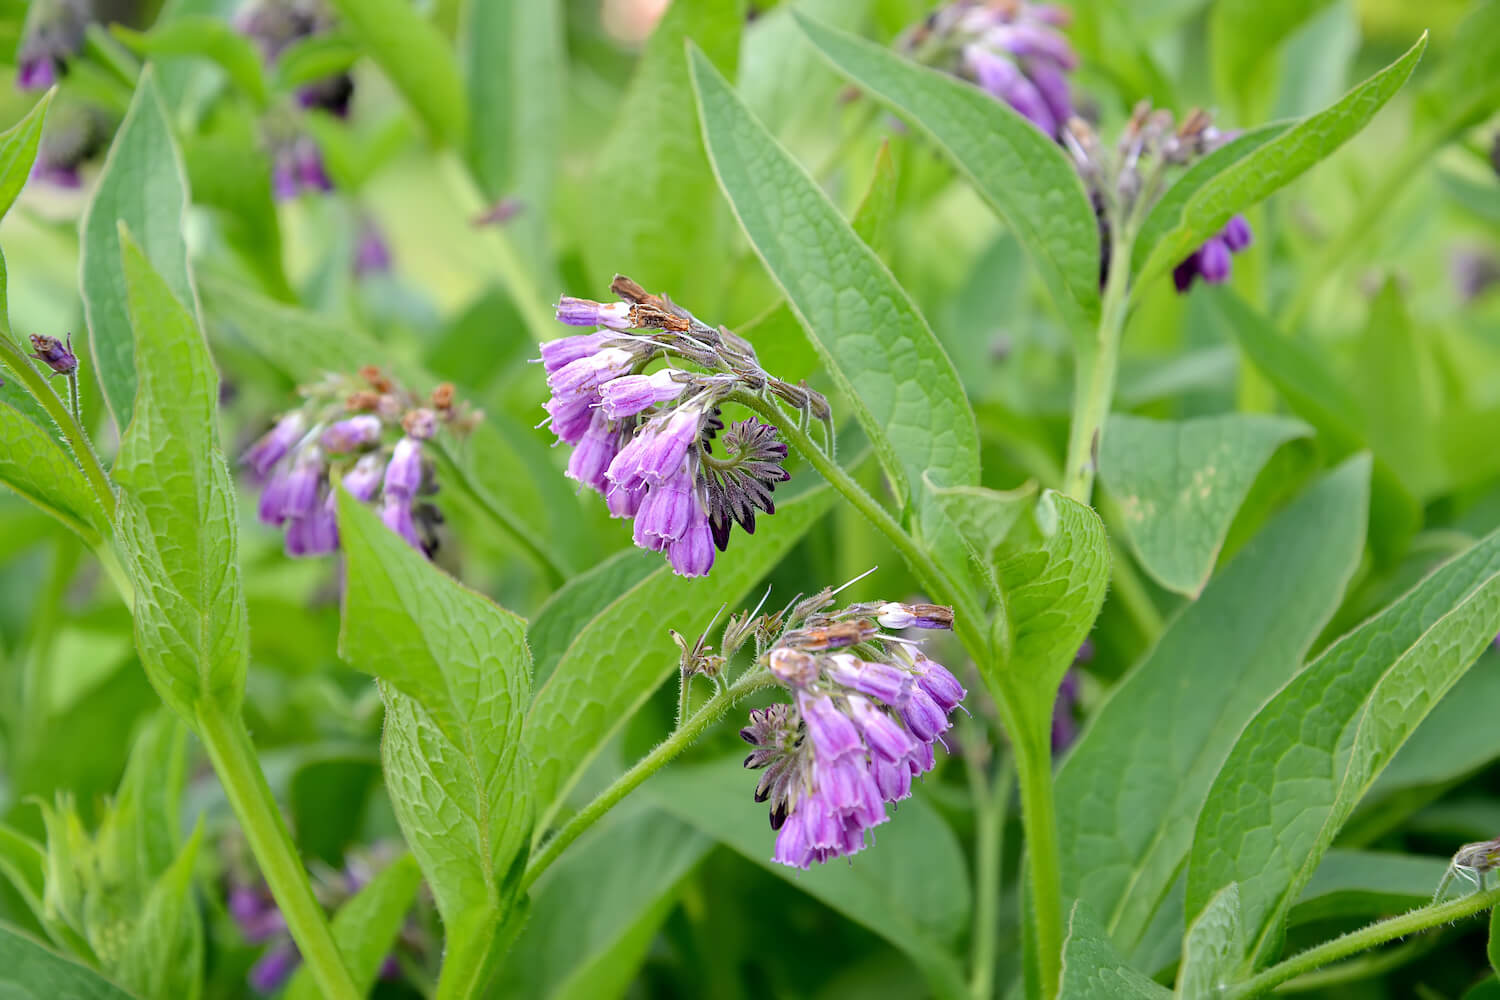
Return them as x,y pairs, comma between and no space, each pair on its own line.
1212,262
55,354
859,728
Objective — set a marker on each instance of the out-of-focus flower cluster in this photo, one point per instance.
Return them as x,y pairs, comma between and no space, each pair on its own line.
368,433
643,436
1016,51
866,708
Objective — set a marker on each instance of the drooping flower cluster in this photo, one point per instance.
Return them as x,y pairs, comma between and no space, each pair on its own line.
1014,50
867,707
367,433
643,436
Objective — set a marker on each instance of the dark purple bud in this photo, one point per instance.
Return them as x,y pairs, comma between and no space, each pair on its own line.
390,969
1185,273
331,94
36,72
274,968
1214,261
1237,234
307,166
54,354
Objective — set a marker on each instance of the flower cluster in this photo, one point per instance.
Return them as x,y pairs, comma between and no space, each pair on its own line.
1012,49
643,436
367,433
1016,51
53,38
866,709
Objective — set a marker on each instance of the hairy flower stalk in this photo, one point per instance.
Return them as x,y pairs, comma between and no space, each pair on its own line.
643,435
867,707
367,433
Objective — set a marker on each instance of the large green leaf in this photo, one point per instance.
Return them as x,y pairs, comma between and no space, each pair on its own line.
143,186
29,971
577,602
1091,970
456,678
1268,167
1303,762
417,58
366,927
910,886
178,526
1124,841
1212,947
18,151
595,911
34,465
1179,485
1396,383
1023,174
618,658
654,215
1366,884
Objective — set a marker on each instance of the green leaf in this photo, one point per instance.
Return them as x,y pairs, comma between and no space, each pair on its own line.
18,152
616,660
1396,381
1024,176
178,526
1212,948
456,678
1455,740
34,465
206,36
29,971
148,806
1124,842
313,58
594,913
1273,165
1091,970
1244,35
1492,948
164,954
366,927
1302,764
577,602
515,67
910,886
416,56
1463,89
23,863
872,339
654,215
1367,884
143,186
1179,485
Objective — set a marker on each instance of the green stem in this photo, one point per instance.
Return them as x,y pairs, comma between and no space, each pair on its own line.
1094,377
682,737
1043,862
233,755
518,281
1420,919
72,431
684,696
989,844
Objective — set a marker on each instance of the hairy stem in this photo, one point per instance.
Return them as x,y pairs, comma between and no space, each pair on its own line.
233,756
989,843
682,737
16,360
1094,377
1420,919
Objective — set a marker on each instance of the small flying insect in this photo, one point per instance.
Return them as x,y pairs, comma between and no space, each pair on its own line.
1471,863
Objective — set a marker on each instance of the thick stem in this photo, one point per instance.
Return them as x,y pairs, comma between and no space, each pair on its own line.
233,756
72,431
1420,919
989,844
1043,862
682,737
1094,377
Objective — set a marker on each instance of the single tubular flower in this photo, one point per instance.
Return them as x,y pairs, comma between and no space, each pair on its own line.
866,708
643,437
365,432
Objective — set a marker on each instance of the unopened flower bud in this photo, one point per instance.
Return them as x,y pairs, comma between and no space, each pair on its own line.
55,354
420,423
793,666
586,312
899,616
351,434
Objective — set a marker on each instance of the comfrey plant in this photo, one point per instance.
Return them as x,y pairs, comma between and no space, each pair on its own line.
644,435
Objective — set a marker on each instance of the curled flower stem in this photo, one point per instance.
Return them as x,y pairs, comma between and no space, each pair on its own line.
233,755
72,429
682,737
1421,919
1094,376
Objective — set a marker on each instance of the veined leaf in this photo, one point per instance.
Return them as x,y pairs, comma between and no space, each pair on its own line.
1091,970
366,927
577,602
1366,884
1179,485
1270,166
655,216
622,655
456,676
1023,174
1123,841
416,56
594,913
178,527
918,900
1212,947
34,465
206,36
29,971
18,152
1302,764
143,186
